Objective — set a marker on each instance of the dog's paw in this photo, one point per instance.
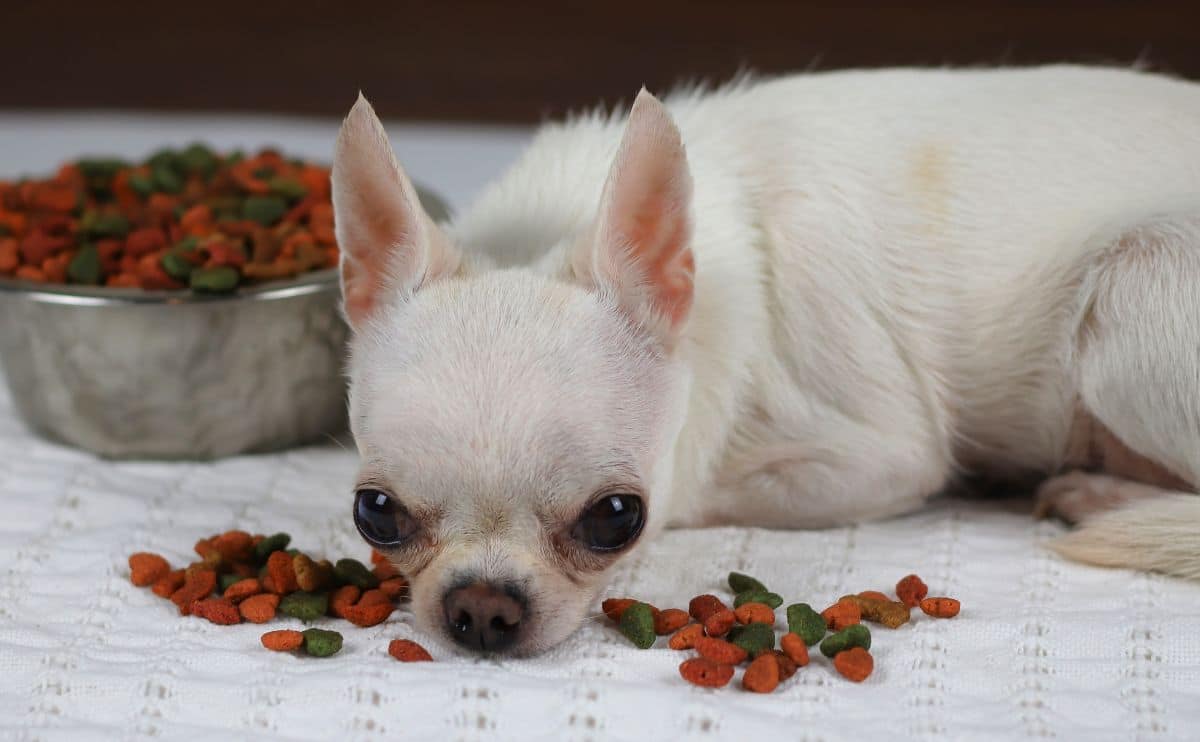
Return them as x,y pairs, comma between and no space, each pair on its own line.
1077,495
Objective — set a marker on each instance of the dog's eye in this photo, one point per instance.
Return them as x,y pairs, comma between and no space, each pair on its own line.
612,522
382,521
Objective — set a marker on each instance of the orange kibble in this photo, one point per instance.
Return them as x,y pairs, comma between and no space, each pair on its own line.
854,664
283,640
234,546
748,613
168,584
706,673
242,589
344,597
146,568
377,557
911,590
198,583
795,648
841,614
407,650
395,588
30,273
10,256
703,606
218,610
372,608
283,574
259,608
940,607
762,676
874,595
670,620
787,666
384,570
686,637
720,622
614,608
719,650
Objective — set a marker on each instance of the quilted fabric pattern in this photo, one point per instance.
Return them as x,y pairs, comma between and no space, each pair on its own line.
1042,649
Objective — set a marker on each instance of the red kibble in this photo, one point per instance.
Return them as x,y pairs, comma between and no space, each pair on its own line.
406,650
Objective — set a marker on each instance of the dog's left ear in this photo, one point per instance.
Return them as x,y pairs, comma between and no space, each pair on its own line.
389,245
640,246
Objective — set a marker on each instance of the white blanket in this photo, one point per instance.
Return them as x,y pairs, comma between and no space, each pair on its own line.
1042,648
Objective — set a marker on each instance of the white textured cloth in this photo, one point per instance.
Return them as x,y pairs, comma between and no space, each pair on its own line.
1042,649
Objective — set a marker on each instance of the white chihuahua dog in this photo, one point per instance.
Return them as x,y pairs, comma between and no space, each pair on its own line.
796,303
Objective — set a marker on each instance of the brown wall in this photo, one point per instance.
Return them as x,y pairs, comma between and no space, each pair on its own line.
511,61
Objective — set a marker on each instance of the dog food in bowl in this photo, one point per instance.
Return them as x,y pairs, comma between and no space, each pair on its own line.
183,219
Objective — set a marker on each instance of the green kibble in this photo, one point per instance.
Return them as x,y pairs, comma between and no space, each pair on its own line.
321,642
755,638
354,572
220,280
271,544
806,623
85,266
228,581
757,596
142,185
95,224
198,159
292,190
234,157
5,230
165,179
740,583
264,173
266,210
100,168
176,266
637,624
304,606
187,244
848,638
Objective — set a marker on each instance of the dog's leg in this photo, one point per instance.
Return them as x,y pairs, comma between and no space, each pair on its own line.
1138,365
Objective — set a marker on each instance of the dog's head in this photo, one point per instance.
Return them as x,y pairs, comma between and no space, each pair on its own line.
516,427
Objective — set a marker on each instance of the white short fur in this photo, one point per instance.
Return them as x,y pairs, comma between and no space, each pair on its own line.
900,276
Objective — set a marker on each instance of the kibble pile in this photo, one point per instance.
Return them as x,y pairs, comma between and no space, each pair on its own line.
725,637
182,219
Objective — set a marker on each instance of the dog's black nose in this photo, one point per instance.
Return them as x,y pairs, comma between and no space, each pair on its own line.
483,617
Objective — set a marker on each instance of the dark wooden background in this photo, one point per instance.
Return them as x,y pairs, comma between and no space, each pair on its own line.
512,61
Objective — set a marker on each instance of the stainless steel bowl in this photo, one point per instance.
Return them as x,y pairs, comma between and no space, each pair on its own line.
126,373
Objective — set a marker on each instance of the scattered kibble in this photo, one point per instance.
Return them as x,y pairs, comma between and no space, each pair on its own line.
911,590
407,650
795,648
719,650
703,606
614,608
322,642
890,613
940,607
755,638
669,620
854,664
806,623
686,637
241,577
856,635
740,583
637,624
755,613
146,568
706,673
765,597
283,640
720,622
842,614
762,676
354,572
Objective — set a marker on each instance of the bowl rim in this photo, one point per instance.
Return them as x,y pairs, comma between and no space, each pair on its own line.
314,282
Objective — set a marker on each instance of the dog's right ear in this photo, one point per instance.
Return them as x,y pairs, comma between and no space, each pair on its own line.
389,245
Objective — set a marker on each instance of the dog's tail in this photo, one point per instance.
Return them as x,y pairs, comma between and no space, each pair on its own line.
1161,534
